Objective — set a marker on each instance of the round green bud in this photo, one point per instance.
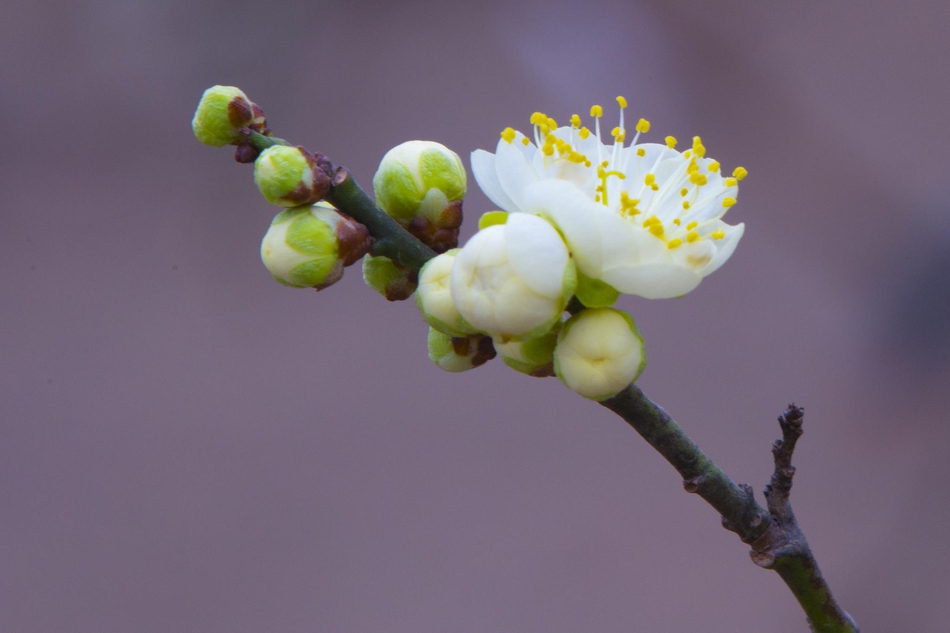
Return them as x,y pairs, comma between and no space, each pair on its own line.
419,179
599,352
434,296
290,176
456,354
534,357
308,246
221,113
389,279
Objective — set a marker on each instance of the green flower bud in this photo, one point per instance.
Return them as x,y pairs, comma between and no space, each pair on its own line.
534,357
594,293
421,185
291,176
308,246
457,354
599,352
434,296
221,113
389,279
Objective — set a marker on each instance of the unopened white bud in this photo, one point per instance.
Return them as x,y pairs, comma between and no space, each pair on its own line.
513,280
434,296
599,352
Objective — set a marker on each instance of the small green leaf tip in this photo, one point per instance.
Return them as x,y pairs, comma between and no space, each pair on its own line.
394,282
291,176
457,354
221,113
421,185
308,246
599,352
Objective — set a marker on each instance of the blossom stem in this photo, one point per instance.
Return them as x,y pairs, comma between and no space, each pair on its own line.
777,541
391,240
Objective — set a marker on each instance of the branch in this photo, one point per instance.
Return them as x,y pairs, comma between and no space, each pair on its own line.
776,539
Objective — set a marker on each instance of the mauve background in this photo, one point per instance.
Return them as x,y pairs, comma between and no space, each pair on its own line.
187,446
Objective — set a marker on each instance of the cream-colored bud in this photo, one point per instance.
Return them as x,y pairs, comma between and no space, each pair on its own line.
534,357
456,354
434,296
513,280
308,246
599,352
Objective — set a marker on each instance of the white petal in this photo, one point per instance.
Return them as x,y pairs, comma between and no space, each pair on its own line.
724,247
661,280
483,168
514,171
536,253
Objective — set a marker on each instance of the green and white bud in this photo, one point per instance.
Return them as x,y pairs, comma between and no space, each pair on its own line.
434,296
421,185
594,293
308,246
222,112
513,280
291,176
534,357
599,352
460,353
389,279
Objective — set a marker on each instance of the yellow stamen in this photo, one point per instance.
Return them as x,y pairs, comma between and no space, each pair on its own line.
643,126
714,166
575,120
508,134
698,148
622,102
675,243
670,141
596,111
548,150
686,205
677,221
655,187
692,225
728,202
731,182
740,172
718,234
684,191
551,124
584,133
641,152
649,179
692,236
525,141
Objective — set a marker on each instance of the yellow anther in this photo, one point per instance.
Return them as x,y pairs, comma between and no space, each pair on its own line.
718,234
617,133
544,129
677,221
657,229
670,141
714,166
697,178
731,182
575,120
508,134
650,221
675,243
698,148
684,191
597,198
551,123
622,102
538,118
692,236
655,187
692,225
550,139
641,152
605,163
643,126
548,150
586,163
596,111
740,173
728,202
687,153
649,179
686,205
525,141
584,133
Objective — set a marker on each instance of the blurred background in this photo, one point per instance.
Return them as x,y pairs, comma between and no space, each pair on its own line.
187,446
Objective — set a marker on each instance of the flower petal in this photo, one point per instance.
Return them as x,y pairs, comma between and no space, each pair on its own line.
514,171
660,280
724,247
536,253
483,168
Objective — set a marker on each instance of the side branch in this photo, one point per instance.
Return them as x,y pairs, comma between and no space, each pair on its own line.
776,539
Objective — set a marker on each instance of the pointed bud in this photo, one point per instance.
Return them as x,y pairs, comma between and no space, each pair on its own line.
421,185
434,296
599,352
462,353
389,279
308,246
291,176
222,112
534,357
513,280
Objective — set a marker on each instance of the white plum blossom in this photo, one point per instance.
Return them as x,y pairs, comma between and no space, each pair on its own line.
643,218
513,280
